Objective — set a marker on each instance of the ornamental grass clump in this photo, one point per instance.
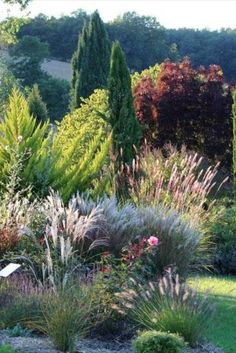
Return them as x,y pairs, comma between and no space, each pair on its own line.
181,245
71,314
168,306
68,237
122,222
180,180
64,319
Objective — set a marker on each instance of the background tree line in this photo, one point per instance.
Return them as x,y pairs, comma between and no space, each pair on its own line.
144,40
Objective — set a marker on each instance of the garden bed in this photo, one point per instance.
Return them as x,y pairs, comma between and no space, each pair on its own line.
43,345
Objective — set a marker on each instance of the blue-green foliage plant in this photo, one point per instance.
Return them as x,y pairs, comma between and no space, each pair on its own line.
18,331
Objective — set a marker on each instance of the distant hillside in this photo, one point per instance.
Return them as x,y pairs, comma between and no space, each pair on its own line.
55,68
144,40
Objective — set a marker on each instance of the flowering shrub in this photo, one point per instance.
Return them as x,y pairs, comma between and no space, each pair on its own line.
152,241
137,255
136,250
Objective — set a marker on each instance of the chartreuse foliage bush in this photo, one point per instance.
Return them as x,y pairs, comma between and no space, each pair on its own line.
79,149
21,136
70,172
152,72
158,342
86,119
46,159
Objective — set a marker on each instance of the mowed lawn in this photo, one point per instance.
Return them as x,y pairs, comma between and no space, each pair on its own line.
55,68
222,292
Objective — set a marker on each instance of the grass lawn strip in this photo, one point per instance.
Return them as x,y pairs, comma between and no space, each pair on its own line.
222,292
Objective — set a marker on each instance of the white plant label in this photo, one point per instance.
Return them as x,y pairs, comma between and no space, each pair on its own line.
9,269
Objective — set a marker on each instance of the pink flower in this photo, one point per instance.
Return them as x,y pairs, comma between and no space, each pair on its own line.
153,241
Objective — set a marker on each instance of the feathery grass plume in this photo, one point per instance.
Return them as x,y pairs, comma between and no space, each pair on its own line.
15,210
181,244
123,222
176,179
69,235
169,306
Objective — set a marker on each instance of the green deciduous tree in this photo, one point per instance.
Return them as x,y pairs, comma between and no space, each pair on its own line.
143,40
56,94
27,56
90,62
9,29
36,105
7,82
126,129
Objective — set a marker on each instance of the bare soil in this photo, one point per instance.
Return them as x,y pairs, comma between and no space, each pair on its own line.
37,344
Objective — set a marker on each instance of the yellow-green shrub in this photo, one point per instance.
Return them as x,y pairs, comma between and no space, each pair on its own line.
84,122
67,160
21,137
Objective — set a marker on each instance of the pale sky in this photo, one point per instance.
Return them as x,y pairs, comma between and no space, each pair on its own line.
210,14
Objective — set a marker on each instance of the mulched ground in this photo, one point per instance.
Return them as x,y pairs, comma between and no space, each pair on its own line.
43,345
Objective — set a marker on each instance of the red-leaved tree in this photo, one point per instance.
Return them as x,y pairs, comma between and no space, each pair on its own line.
187,106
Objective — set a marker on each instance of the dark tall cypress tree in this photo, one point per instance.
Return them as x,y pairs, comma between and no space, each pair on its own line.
126,129
90,62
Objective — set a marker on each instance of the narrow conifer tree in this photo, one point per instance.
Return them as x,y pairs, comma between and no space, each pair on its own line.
234,139
37,107
90,62
126,129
